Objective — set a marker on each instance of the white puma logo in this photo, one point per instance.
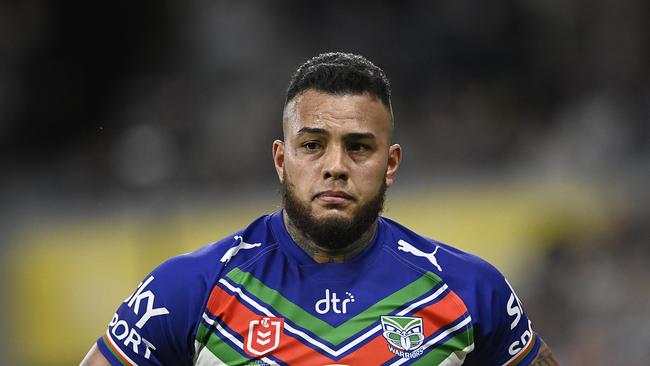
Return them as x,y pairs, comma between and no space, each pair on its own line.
407,247
234,250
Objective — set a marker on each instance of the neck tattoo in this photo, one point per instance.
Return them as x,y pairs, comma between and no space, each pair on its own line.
323,255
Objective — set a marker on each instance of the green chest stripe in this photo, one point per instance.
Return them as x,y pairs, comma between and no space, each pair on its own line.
213,341
455,344
334,335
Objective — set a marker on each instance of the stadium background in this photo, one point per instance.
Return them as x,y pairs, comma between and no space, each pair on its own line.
134,131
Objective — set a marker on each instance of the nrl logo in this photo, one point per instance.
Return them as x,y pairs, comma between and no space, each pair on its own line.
263,335
404,334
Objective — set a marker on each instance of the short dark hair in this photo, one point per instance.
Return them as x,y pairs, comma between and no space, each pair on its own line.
340,73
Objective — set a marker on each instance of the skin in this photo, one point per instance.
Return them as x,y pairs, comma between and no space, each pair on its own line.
336,153
94,358
544,357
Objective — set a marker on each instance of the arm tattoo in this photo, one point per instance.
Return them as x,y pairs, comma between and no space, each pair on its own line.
544,357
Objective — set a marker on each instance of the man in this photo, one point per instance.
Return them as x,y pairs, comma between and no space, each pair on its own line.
325,280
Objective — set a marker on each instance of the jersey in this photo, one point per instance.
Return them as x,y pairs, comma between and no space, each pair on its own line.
255,298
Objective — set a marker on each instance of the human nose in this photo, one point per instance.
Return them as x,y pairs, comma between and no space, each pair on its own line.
335,164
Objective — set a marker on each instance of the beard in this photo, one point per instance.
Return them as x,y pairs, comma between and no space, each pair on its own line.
332,233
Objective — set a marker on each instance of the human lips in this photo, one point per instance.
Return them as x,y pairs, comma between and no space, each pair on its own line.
334,197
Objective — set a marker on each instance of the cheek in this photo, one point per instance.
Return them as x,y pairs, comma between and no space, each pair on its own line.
298,178
301,169
375,171
371,177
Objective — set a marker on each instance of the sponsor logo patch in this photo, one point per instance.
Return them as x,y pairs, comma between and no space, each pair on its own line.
227,256
405,246
332,301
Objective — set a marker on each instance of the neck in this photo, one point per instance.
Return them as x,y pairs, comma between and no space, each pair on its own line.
326,255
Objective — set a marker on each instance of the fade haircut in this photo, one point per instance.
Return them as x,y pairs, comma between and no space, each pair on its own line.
340,73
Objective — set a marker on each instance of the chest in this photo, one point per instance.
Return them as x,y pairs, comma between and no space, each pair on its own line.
299,317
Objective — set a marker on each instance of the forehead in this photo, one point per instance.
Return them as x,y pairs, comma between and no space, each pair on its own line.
337,113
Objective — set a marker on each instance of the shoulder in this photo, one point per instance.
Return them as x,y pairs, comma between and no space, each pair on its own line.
435,256
158,320
502,331
472,278
208,261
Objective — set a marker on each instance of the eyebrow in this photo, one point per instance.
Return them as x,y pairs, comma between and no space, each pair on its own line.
360,135
349,136
312,130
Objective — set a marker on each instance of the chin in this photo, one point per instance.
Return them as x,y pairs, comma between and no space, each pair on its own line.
339,212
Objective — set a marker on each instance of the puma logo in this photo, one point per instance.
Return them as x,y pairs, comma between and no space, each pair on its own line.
234,250
409,248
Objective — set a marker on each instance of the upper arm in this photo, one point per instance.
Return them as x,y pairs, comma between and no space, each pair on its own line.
544,357
504,334
156,324
94,358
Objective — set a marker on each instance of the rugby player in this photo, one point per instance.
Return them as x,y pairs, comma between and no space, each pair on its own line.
325,280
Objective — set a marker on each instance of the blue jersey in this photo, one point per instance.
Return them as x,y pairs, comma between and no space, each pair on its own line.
255,298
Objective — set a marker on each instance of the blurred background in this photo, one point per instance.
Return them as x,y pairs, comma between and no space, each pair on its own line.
132,131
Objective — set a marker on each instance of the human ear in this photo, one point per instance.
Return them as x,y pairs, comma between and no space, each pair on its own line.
278,158
394,160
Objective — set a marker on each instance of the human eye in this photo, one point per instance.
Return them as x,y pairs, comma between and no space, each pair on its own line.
311,146
358,147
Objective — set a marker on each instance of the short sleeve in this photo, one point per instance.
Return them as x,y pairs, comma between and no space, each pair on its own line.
506,336
156,324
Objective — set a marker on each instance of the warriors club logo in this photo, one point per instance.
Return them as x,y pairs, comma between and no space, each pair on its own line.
264,335
404,334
